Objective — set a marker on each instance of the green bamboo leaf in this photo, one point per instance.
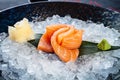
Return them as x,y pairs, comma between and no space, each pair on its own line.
36,40
91,47
86,46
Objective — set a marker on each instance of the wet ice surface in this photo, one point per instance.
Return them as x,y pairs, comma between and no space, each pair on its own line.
24,62
99,31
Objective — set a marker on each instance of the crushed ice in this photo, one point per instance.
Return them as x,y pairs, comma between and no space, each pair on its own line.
24,62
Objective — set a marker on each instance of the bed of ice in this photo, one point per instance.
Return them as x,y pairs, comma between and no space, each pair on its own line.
24,62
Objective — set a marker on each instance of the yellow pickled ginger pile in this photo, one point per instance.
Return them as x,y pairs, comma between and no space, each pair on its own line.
21,32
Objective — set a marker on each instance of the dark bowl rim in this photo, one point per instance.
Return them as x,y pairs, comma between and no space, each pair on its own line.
43,2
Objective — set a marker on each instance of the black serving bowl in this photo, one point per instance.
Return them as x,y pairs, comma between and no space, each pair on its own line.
47,9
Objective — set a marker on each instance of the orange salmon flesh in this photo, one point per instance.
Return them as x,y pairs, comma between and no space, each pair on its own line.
62,39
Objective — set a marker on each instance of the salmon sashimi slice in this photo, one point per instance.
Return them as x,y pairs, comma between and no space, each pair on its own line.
65,53
44,43
62,39
71,39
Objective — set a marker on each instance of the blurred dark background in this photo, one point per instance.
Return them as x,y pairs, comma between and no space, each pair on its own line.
10,3
111,4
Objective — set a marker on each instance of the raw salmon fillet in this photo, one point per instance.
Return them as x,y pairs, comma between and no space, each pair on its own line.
44,43
62,39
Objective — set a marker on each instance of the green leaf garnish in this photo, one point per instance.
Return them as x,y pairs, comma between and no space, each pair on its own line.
86,46
36,40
